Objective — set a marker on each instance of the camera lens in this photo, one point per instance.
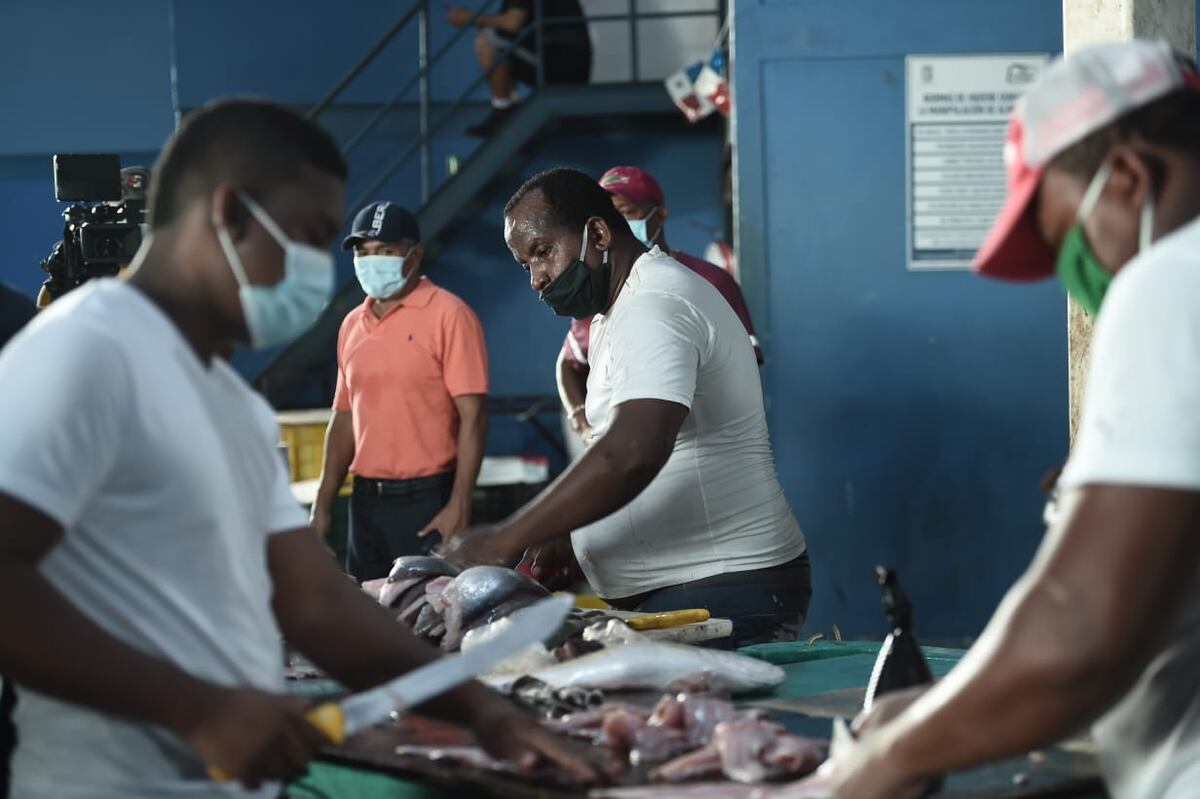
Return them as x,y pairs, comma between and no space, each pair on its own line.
107,247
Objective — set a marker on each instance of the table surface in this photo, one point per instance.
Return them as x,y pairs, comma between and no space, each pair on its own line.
823,680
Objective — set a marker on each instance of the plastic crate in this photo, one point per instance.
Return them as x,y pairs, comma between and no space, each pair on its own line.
303,432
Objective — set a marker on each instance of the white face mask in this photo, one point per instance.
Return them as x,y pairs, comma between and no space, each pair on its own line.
279,313
639,228
382,276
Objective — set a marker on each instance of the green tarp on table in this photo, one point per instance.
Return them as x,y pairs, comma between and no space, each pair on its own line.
811,669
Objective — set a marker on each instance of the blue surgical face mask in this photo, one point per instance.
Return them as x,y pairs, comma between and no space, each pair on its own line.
638,226
279,313
382,276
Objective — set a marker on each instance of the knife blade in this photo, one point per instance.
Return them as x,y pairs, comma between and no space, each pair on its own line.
530,625
338,720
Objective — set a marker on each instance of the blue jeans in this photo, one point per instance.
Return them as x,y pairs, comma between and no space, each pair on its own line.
765,605
385,516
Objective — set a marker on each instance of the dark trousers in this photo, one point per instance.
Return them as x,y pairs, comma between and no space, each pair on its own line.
765,605
385,516
8,734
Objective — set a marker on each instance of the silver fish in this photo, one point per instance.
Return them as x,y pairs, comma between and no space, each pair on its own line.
482,594
426,566
405,582
662,666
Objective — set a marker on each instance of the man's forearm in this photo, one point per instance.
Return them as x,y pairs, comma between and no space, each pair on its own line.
1072,635
595,486
572,383
610,475
472,440
339,453
1021,687
351,637
44,640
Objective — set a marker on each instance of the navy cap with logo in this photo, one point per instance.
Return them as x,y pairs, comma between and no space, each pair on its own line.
383,221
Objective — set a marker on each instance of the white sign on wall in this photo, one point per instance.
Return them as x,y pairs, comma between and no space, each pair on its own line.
957,108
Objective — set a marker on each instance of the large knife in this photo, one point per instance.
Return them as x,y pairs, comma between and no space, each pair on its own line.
338,720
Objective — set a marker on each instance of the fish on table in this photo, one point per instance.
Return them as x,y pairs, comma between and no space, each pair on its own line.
650,665
696,737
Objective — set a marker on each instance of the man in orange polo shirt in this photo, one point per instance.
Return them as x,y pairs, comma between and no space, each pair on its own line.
410,414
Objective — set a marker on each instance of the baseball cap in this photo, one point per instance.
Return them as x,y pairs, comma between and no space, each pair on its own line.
1075,96
635,185
382,221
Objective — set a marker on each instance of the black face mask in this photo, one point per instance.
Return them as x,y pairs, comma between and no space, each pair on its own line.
579,292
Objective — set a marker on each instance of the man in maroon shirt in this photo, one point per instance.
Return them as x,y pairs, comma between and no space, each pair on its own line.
638,197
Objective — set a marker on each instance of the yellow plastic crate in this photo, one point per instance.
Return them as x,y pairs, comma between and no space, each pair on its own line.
304,434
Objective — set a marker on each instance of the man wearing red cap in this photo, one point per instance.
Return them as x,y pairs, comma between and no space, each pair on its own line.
1103,163
676,503
637,196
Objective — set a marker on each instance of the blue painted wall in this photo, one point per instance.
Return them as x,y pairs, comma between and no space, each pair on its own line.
87,77
912,413
111,90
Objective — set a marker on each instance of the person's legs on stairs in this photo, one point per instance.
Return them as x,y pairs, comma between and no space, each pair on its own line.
500,83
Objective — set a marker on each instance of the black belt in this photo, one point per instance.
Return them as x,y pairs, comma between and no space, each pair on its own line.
400,488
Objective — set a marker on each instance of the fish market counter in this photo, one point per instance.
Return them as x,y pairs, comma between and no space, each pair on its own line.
823,681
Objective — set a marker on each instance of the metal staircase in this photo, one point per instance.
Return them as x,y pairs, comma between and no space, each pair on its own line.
548,110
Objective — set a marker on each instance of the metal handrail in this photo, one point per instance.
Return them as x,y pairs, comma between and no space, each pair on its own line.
423,141
420,10
366,60
382,112
422,73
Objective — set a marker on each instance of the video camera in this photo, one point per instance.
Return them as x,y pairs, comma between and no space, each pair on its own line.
104,228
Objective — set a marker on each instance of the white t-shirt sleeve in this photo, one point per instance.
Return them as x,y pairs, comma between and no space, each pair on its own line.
1141,417
63,417
657,347
284,513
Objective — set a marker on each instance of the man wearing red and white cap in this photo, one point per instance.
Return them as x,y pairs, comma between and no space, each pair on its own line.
637,196
1103,163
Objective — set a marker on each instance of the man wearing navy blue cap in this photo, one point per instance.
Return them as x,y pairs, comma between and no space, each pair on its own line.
409,415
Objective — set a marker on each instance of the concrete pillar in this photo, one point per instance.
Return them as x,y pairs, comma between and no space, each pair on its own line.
1087,22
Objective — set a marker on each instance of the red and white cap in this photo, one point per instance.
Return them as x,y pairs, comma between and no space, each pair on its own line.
636,185
1074,97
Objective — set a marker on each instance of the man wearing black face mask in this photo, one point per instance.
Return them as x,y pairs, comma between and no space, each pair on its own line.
1104,189
679,444
147,533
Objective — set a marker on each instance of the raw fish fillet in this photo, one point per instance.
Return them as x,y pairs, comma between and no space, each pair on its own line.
404,592
747,749
697,716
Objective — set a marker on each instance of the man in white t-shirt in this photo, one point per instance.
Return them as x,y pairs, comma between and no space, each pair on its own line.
1104,628
151,555
676,503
